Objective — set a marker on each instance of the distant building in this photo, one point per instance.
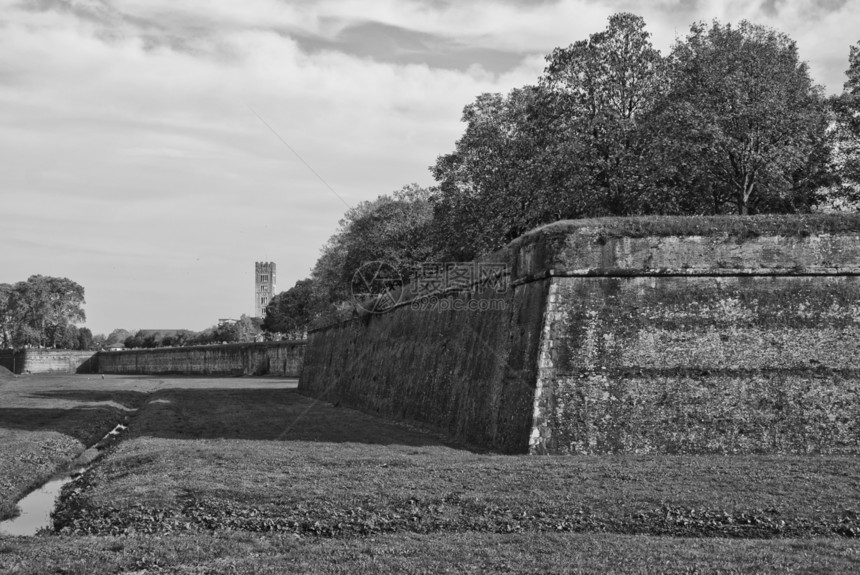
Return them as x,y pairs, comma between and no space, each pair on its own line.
264,286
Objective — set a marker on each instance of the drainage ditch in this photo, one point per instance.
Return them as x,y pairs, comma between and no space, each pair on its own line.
36,507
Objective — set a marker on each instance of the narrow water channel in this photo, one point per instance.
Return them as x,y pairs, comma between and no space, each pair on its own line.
36,506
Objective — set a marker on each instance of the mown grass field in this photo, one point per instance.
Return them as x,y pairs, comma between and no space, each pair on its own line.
41,430
247,476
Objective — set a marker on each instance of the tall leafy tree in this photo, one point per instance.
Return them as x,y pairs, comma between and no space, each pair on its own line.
329,269
393,229
605,88
118,335
575,145
730,122
744,104
99,341
248,328
845,138
504,176
42,308
293,311
6,316
85,339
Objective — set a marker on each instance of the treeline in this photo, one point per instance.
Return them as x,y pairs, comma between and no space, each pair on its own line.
42,311
729,122
244,330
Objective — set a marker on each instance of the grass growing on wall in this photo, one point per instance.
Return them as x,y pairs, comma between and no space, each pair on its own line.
739,227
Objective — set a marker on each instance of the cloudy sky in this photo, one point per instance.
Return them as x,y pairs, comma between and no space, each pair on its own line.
134,161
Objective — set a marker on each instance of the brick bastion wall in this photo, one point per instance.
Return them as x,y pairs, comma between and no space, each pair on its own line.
282,358
640,335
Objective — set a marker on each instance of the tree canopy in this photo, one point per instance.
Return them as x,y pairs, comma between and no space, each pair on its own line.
245,329
487,185
746,108
845,138
41,312
728,122
293,311
394,229
605,88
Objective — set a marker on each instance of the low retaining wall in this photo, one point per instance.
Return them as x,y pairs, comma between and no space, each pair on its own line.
282,358
8,359
269,358
641,335
49,361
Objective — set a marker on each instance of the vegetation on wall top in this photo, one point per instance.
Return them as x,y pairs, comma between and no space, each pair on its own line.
799,225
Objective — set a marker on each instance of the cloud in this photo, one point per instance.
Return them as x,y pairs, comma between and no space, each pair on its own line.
125,149
134,163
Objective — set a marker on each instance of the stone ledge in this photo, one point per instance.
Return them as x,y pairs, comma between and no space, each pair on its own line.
660,246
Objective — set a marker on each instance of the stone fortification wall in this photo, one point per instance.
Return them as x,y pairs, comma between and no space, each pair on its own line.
468,373
700,365
271,358
694,335
49,361
8,359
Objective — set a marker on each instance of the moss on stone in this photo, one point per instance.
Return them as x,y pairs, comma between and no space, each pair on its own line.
740,227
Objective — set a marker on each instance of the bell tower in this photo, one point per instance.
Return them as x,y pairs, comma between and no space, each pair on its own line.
264,286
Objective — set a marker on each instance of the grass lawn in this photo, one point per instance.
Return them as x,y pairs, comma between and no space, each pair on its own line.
245,475
42,430
242,552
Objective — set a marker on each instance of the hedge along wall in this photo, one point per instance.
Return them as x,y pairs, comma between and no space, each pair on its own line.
642,335
33,360
282,358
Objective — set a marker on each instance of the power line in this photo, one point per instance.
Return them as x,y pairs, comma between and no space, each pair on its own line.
289,147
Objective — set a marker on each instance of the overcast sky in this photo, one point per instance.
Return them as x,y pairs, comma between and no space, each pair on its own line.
133,161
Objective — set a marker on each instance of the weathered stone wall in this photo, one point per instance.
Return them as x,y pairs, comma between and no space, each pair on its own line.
702,364
435,363
271,358
694,335
49,361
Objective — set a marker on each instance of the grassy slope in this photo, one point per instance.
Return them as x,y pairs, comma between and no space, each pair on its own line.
275,460
42,430
47,420
211,472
